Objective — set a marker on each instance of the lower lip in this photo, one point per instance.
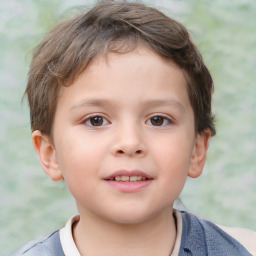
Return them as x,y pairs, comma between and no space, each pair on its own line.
129,186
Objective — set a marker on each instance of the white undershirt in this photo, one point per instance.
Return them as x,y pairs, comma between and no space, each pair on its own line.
246,237
70,249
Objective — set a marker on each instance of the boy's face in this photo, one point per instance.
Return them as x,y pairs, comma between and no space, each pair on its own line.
129,118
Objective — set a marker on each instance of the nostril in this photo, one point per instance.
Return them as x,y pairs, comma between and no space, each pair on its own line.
129,151
122,152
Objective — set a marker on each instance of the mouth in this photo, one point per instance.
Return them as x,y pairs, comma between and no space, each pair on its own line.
128,176
129,181
125,178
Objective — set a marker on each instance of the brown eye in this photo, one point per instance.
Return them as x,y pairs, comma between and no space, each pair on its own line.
157,120
96,121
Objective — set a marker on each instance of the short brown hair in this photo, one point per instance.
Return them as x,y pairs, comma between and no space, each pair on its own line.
118,27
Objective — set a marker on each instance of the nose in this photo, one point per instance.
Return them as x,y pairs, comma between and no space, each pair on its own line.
129,141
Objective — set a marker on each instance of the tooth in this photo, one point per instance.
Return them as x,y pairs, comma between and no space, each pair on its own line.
139,177
125,178
118,178
133,178
143,178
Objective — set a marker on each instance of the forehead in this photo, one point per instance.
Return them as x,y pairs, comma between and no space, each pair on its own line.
138,62
141,71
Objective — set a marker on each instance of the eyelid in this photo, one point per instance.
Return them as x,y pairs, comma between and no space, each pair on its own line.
88,117
161,115
164,116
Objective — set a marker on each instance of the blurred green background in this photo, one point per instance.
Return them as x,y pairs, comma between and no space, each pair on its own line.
31,204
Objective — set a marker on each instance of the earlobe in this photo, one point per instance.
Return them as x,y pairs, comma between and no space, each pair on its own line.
199,154
47,155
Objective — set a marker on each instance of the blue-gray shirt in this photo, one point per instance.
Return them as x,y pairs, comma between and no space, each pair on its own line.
199,238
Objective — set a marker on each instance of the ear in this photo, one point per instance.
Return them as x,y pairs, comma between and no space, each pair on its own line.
199,154
47,155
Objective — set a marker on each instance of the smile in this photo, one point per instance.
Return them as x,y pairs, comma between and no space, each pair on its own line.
129,178
129,181
127,175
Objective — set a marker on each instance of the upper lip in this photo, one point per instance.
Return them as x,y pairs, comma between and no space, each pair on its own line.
128,173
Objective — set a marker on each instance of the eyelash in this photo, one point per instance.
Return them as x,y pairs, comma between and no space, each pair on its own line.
88,120
165,120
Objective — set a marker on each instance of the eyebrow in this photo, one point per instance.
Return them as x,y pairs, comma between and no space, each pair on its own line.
147,103
164,102
92,102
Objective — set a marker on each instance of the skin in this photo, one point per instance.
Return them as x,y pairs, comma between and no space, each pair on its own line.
125,91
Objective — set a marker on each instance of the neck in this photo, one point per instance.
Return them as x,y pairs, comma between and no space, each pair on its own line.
151,237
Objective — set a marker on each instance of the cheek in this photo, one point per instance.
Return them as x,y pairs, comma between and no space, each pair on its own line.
78,168
80,156
72,158
173,150
173,157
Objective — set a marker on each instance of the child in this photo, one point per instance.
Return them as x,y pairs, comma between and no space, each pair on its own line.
120,107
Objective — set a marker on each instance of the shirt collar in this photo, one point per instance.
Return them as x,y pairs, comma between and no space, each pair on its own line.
70,249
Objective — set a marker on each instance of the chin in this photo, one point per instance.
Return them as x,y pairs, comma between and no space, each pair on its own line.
129,217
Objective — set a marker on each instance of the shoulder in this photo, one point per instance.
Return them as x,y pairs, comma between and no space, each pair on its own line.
244,236
215,240
48,245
